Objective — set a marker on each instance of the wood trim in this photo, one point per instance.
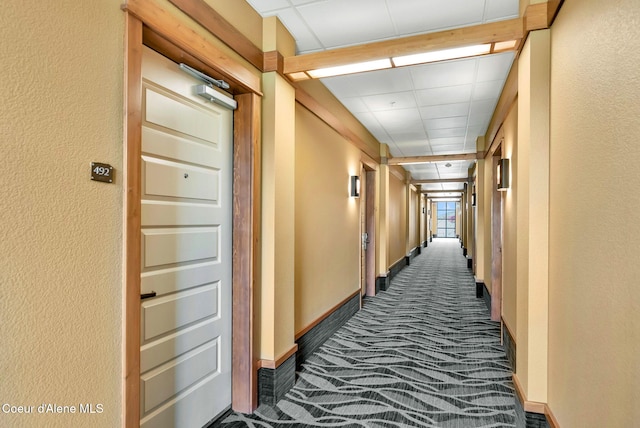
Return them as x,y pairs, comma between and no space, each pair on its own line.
536,17
274,61
398,172
132,223
496,247
529,406
370,225
369,163
553,7
484,33
508,97
271,364
200,12
433,158
308,102
326,314
551,418
246,232
162,26
168,27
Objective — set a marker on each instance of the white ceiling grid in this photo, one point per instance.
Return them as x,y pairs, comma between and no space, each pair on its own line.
431,109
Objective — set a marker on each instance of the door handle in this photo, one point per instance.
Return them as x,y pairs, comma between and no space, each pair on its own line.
147,295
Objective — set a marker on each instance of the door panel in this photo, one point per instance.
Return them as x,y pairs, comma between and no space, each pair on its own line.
165,314
165,178
185,353
165,246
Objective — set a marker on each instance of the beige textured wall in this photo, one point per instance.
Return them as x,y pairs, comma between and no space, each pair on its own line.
594,322
509,237
61,233
327,223
397,219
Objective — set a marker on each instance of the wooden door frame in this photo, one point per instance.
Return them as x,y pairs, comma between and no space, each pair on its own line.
496,242
370,224
147,24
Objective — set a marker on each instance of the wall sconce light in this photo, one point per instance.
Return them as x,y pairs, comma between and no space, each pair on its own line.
473,199
355,186
502,175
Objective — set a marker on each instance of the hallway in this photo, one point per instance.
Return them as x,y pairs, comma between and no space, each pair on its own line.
423,353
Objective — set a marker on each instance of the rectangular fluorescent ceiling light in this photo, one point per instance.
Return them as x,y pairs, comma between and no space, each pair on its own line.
350,68
442,55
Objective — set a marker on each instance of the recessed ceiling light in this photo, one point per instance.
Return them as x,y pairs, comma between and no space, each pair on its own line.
442,55
359,67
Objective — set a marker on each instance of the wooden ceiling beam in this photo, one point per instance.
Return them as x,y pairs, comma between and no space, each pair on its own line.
433,158
443,191
501,31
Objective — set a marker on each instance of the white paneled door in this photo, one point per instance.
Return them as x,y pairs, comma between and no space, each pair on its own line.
185,354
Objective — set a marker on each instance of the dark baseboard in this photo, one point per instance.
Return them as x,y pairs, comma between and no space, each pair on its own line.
529,420
412,255
431,238
425,244
479,290
509,346
397,267
314,338
382,283
435,235
464,251
487,296
273,384
469,262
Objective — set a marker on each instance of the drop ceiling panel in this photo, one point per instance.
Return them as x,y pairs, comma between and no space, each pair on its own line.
374,82
448,95
449,73
446,122
494,67
445,110
496,10
487,90
342,23
392,101
450,132
419,16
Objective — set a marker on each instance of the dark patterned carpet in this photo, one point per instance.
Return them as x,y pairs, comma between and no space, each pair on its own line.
422,354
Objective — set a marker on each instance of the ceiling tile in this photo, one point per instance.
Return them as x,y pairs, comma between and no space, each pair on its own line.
410,136
421,16
501,9
494,67
448,95
382,82
481,112
450,132
446,122
398,100
398,120
341,86
487,90
445,110
354,105
449,73
339,23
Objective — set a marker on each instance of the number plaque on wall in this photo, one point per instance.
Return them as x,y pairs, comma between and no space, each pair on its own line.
102,172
